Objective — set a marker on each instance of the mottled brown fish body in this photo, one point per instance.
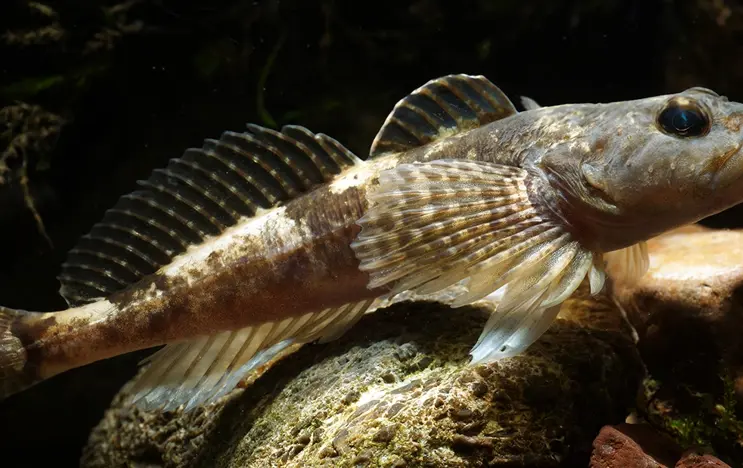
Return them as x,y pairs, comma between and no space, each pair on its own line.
297,260
268,275
264,240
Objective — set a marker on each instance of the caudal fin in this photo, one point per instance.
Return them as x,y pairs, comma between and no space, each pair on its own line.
15,372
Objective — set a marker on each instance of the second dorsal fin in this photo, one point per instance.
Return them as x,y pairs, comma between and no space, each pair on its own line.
440,108
196,196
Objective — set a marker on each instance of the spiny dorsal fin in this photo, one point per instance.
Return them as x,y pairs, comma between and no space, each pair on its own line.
198,195
440,108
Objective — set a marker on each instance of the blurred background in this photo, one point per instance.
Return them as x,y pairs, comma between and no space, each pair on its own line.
94,95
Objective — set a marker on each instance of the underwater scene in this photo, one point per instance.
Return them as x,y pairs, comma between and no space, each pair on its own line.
327,233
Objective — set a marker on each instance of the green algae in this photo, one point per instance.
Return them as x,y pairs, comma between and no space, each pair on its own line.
701,420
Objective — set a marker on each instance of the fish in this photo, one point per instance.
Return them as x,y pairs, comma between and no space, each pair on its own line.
262,241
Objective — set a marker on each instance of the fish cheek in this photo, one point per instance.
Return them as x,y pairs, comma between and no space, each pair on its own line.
595,177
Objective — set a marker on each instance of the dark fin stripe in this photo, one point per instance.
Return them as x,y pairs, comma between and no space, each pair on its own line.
268,158
216,195
155,204
440,108
123,262
245,171
120,230
241,202
325,153
196,206
95,289
88,269
196,196
290,153
164,232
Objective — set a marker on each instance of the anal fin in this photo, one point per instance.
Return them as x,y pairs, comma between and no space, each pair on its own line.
202,370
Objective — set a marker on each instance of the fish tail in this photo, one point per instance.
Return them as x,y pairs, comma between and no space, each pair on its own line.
15,372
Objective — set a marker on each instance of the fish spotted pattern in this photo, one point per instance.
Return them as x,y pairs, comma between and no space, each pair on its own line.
261,241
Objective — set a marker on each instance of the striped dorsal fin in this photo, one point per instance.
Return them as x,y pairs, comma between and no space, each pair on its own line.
197,196
440,108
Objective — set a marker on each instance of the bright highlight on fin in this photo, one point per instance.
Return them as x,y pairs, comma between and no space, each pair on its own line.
434,224
203,370
628,265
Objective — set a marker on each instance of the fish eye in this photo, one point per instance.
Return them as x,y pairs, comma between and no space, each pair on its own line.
683,118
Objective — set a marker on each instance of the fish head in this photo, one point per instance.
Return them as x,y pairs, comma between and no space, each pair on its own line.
650,165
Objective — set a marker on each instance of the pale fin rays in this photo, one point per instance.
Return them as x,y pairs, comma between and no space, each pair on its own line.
431,225
202,370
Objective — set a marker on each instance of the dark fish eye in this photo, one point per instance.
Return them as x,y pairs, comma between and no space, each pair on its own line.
684,119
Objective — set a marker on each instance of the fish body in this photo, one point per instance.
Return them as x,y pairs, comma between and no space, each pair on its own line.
262,241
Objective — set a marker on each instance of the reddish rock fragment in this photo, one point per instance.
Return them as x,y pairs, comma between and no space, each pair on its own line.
633,445
696,460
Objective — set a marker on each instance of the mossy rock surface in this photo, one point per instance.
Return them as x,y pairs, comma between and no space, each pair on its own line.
397,391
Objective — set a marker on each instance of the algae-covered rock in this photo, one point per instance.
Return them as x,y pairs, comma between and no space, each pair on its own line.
396,391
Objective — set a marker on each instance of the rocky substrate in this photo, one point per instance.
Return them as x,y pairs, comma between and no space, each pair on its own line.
647,375
397,391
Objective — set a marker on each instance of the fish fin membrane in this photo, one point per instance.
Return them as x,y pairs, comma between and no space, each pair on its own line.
16,372
202,370
628,265
529,103
196,196
431,225
442,107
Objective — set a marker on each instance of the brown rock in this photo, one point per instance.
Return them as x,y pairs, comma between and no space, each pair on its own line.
696,460
641,446
633,445
688,315
687,308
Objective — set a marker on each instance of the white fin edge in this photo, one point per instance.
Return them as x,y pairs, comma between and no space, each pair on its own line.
529,103
528,308
201,371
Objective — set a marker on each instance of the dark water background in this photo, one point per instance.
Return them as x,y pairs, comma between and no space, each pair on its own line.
138,82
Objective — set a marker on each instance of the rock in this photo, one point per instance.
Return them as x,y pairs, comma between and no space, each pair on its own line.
695,460
640,445
336,404
688,315
637,445
687,306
